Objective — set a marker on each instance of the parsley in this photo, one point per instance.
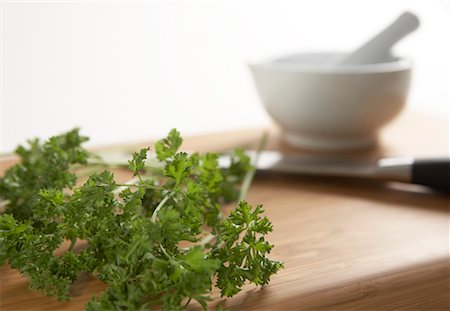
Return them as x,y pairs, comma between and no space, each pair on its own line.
158,241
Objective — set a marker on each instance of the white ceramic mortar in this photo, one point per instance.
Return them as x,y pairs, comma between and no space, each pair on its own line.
331,109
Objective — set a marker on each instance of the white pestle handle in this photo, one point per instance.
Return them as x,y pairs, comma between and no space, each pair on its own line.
378,48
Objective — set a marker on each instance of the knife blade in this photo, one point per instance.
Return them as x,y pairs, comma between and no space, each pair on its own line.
431,172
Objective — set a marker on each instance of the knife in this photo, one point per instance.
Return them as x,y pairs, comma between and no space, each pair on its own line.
431,172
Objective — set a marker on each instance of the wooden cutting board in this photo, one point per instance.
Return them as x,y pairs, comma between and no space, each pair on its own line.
347,244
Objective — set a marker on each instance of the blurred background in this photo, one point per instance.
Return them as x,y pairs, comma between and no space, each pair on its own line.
131,70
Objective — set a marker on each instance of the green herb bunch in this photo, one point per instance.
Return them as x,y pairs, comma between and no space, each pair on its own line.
159,241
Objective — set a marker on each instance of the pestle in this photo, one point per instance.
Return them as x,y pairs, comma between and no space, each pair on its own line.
378,49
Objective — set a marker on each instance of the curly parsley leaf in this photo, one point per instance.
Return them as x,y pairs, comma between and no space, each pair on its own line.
42,166
137,163
245,250
168,147
156,242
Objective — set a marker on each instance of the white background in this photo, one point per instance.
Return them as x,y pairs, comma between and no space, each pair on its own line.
131,70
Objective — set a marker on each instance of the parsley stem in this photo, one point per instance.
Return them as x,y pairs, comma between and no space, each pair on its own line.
251,173
160,205
129,183
187,302
164,251
126,185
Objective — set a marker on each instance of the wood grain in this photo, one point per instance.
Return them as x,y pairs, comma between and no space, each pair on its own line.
347,244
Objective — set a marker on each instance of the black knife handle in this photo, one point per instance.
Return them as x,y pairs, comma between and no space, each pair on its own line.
434,173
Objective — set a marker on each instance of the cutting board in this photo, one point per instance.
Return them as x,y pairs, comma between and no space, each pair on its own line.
346,244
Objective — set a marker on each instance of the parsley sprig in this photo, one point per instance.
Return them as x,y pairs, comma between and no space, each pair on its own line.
157,241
